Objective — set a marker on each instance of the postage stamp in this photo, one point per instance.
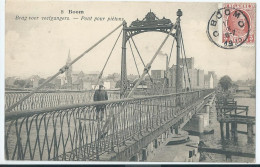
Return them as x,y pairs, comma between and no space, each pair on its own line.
232,25
234,21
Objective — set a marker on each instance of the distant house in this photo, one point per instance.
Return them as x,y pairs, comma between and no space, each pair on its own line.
245,89
187,61
109,84
142,87
77,85
57,83
76,75
80,80
115,77
9,82
92,74
190,76
215,78
157,74
63,80
200,79
35,80
208,81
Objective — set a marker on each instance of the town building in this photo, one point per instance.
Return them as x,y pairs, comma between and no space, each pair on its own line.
215,78
211,80
79,80
10,82
200,79
34,81
191,77
157,74
188,61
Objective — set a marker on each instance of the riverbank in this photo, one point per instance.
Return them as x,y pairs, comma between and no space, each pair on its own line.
177,148
214,140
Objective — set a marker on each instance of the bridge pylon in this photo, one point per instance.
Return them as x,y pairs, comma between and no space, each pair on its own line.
124,83
150,23
178,48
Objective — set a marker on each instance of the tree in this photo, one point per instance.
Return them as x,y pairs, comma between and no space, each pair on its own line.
141,83
253,88
41,81
225,82
28,84
20,83
118,84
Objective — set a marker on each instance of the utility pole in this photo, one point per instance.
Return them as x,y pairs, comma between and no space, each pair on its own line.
178,84
124,83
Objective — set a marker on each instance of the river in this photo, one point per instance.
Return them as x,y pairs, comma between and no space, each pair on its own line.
213,140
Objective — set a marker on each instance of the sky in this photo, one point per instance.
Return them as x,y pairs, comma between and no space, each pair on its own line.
42,47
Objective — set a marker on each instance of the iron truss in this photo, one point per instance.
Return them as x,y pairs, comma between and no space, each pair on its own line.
149,23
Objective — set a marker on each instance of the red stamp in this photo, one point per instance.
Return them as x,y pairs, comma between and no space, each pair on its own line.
238,23
232,25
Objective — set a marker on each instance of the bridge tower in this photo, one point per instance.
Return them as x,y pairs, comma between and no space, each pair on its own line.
178,84
124,83
150,23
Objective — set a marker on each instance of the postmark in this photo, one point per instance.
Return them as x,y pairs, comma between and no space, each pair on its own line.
249,10
230,27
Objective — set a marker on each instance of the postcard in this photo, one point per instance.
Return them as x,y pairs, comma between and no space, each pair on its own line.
128,81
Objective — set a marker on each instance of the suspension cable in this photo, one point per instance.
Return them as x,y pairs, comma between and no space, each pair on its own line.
148,66
171,51
141,58
153,84
182,44
63,69
136,65
101,73
134,58
183,68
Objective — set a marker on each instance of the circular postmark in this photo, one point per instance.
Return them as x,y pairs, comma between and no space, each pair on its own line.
228,28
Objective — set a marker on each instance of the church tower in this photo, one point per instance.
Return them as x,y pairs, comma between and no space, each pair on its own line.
68,73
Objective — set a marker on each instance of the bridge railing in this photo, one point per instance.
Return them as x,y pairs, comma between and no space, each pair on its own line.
47,99
73,132
51,99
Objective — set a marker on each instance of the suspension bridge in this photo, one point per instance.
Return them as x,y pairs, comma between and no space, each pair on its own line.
63,126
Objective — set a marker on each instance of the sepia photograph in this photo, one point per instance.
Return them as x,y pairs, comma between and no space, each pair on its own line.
128,81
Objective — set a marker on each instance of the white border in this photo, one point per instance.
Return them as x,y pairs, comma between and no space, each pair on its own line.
2,51
2,76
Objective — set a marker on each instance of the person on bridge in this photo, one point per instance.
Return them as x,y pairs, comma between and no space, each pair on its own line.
100,95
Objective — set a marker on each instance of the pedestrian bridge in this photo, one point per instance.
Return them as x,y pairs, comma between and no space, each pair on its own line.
72,132
63,125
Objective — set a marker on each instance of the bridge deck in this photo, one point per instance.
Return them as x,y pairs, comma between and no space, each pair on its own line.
72,133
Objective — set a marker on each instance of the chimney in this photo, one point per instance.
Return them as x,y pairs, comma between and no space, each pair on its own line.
167,66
